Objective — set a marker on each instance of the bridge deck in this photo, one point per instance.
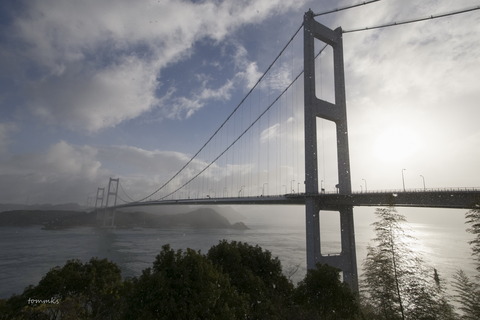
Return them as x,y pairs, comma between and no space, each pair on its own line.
460,199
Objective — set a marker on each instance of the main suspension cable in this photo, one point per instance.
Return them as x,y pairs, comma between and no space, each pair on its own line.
125,193
243,133
226,120
392,24
344,8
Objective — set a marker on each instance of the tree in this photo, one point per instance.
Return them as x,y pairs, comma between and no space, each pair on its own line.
467,295
468,290
397,283
75,291
444,310
473,218
321,295
183,285
257,276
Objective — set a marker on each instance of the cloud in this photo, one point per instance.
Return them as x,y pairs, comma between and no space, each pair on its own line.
66,172
88,66
97,64
129,160
89,99
143,172
70,173
63,173
5,130
270,133
280,78
245,75
248,70
418,77
184,107
222,93
181,107
420,62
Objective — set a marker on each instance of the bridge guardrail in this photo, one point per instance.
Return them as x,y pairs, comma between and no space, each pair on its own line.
414,190
451,189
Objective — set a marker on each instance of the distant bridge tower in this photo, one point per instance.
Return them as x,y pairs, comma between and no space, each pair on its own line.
112,191
336,112
100,196
109,213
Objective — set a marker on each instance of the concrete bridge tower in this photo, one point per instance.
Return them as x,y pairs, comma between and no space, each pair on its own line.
109,213
336,112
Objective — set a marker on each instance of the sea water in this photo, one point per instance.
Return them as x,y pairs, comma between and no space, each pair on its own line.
28,253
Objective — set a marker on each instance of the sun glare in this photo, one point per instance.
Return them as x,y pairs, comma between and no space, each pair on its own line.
395,144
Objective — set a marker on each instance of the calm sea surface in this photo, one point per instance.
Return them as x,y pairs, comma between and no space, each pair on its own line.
29,253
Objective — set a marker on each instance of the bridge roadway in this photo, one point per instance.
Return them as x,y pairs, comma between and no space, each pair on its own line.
441,198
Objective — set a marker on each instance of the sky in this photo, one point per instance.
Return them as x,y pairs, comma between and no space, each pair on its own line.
97,89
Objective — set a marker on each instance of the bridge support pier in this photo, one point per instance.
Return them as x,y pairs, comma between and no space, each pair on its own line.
336,112
109,217
346,260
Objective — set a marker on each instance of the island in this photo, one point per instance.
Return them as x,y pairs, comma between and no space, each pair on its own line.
201,218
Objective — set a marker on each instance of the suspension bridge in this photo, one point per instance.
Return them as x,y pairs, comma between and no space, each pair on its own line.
275,148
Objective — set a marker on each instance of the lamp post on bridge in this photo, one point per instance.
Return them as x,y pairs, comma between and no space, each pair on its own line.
423,178
240,191
291,186
403,179
365,184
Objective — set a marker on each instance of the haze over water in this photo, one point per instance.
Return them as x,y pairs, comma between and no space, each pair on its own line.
29,253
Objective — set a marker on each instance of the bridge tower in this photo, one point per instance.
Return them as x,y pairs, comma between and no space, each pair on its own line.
109,214
99,203
100,196
336,112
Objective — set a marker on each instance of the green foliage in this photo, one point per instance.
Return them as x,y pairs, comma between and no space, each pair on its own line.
468,290
321,295
75,291
397,283
183,285
467,295
443,308
473,218
257,276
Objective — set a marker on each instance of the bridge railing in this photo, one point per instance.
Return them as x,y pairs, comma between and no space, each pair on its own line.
450,189
302,194
376,191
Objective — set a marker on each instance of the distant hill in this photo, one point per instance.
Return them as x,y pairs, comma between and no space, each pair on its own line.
203,218
227,211
25,218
